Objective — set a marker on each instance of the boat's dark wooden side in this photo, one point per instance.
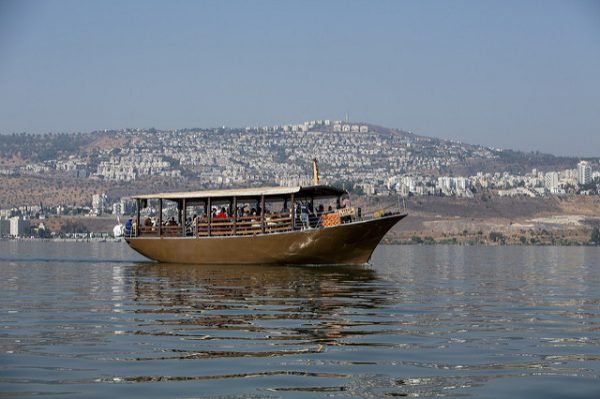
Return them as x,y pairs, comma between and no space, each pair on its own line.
349,243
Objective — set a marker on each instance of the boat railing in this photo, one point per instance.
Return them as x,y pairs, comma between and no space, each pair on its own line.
243,225
272,223
148,231
342,216
371,213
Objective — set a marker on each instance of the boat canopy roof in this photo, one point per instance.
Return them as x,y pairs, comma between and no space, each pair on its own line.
273,192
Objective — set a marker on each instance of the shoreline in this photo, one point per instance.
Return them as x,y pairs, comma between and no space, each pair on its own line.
426,241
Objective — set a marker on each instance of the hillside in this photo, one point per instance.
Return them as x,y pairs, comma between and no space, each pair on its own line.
68,168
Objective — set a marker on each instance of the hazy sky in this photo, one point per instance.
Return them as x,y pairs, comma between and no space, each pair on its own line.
510,74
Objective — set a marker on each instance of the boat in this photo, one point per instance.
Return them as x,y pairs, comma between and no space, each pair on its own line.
241,227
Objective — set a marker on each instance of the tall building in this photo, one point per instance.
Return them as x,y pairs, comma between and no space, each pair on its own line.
18,226
123,207
584,172
99,202
551,181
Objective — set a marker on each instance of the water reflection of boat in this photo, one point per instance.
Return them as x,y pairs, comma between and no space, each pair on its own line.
252,280
248,230
313,305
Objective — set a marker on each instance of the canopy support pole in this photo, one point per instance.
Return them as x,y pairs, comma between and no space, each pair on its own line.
160,204
209,215
183,217
137,216
234,212
292,209
262,213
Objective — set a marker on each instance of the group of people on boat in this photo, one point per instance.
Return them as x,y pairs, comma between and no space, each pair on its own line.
305,215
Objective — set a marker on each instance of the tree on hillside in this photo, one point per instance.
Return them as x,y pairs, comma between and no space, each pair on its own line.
496,236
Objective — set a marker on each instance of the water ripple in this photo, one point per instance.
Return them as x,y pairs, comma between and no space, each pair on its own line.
441,321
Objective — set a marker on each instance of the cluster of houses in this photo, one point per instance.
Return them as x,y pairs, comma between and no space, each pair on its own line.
535,184
260,155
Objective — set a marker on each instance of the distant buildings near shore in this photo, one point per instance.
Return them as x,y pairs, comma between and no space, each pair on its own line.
15,226
583,181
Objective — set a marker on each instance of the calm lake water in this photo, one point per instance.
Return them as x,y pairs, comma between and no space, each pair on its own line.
94,320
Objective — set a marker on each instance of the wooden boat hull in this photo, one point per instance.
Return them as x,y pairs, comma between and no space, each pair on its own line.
351,243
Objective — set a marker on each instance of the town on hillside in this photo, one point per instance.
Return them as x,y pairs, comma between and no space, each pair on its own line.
92,174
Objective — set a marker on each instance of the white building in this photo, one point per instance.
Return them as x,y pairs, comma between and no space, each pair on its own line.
18,226
99,202
368,188
551,182
123,207
462,183
584,172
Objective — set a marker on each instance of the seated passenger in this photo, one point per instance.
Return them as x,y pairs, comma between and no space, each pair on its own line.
222,214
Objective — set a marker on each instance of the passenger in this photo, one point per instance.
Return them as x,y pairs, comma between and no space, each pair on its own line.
188,227
304,217
345,205
346,202
285,208
268,219
329,209
128,227
296,212
148,222
255,219
172,221
222,214
320,210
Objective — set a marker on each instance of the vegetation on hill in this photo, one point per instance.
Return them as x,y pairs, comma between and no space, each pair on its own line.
42,147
